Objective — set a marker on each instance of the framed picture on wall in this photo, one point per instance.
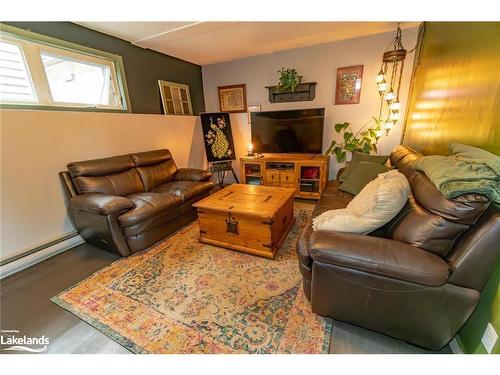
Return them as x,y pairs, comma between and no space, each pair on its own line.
232,99
348,89
175,98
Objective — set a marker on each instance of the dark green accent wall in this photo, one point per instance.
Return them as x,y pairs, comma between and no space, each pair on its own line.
488,310
143,67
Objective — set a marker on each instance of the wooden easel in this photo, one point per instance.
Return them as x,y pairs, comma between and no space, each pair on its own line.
221,167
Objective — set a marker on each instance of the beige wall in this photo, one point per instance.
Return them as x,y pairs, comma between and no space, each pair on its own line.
317,63
36,145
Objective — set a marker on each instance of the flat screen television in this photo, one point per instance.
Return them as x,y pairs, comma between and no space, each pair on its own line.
292,131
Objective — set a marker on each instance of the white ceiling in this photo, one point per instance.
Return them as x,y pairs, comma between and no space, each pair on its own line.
206,43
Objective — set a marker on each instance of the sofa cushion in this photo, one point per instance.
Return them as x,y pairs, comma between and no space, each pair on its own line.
114,176
465,209
372,208
185,189
402,157
358,157
379,256
192,174
122,183
339,198
361,176
100,167
142,159
155,175
148,205
154,167
423,229
161,219
101,204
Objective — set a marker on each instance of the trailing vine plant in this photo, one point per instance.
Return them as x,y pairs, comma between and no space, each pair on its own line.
364,140
289,79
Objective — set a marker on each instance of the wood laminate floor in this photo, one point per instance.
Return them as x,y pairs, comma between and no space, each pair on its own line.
26,307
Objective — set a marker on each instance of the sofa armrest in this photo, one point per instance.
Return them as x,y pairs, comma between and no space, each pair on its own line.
101,204
192,174
379,256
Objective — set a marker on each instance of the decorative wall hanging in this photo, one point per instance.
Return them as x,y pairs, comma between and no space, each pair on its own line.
348,89
217,136
389,83
233,98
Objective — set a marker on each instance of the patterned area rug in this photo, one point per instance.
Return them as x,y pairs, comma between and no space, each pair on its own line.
186,297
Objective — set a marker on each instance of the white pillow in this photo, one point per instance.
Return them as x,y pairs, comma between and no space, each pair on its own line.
374,206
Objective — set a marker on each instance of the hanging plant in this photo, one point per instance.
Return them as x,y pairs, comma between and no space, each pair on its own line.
362,141
289,79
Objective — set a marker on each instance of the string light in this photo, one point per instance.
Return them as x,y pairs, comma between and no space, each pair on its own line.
395,105
382,86
380,77
389,96
394,116
388,82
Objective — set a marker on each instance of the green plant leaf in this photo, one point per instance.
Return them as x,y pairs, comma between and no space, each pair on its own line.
350,147
342,156
339,127
330,149
347,136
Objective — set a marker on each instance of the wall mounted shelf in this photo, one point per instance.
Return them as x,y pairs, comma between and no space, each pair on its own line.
303,92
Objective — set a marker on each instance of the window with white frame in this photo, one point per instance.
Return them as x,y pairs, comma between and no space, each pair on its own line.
33,73
175,98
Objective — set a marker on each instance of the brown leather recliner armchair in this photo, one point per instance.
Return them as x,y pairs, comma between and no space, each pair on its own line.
417,279
127,203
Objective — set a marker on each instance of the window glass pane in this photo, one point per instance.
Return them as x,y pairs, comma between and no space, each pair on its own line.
78,81
15,81
178,107
170,107
166,90
184,94
185,106
175,93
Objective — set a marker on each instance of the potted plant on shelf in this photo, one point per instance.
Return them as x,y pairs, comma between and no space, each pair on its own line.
364,140
289,79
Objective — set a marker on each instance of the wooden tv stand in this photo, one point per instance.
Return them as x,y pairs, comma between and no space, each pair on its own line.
306,173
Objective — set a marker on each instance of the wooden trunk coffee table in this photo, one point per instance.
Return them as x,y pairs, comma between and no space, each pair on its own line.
248,218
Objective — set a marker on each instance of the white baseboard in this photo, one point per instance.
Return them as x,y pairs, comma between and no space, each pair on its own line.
455,346
34,258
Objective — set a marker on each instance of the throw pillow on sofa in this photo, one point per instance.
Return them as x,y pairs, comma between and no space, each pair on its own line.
361,176
358,157
376,205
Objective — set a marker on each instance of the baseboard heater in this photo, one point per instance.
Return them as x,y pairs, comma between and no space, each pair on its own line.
36,254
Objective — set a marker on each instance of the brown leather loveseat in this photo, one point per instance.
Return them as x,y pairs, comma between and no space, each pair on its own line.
127,203
420,277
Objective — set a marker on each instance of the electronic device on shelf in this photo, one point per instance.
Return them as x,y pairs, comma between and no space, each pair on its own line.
280,166
298,131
